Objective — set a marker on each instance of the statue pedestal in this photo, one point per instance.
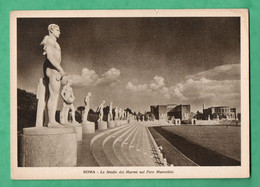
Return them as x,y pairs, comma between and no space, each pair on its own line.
102,125
88,127
48,147
111,124
117,123
78,129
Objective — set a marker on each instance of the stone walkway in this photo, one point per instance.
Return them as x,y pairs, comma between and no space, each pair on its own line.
127,145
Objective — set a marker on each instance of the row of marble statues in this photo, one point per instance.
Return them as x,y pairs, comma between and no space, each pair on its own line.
68,98
36,141
49,88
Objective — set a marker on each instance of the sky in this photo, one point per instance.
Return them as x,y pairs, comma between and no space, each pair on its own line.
139,62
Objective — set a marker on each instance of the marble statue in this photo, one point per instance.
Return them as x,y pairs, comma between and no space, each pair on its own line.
49,86
87,107
120,113
68,99
116,113
124,115
100,110
110,115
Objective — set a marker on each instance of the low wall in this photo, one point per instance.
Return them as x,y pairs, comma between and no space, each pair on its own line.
217,122
207,122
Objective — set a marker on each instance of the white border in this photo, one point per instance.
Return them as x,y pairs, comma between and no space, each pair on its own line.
179,172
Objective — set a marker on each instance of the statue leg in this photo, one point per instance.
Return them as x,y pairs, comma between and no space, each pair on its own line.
73,113
99,117
108,117
62,117
85,115
66,114
62,114
54,88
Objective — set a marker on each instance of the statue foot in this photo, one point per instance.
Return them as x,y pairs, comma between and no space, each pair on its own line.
54,124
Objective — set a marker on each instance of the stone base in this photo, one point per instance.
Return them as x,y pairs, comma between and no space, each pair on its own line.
117,123
48,147
102,125
88,127
78,129
111,124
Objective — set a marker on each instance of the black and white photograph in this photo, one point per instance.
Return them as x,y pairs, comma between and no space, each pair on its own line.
129,94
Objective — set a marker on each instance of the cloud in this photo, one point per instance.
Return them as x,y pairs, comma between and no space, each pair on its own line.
89,78
136,88
224,72
217,86
155,86
205,88
214,84
110,76
156,83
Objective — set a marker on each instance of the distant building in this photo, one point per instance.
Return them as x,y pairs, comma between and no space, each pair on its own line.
159,111
181,112
239,116
221,112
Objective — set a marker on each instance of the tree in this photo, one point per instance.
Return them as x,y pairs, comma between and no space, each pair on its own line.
26,109
81,109
129,110
26,100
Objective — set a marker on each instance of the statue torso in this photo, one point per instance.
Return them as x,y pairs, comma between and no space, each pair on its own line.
54,47
68,95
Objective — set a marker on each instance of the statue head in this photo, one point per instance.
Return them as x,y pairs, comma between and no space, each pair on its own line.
54,30
69,82
89,94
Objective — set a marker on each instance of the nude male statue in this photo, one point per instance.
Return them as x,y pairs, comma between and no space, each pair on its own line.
110,112
49,86
100,110
120,114
68,99
87,107
116,113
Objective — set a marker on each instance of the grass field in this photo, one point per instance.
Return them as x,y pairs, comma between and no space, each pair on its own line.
222,139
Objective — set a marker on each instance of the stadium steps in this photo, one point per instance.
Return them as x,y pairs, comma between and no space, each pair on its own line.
117,147
108,146
96,145
127,145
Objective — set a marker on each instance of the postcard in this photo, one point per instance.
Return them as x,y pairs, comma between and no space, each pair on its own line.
129,94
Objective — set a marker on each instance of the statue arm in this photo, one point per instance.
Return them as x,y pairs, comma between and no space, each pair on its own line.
44,41
73,96
63,92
